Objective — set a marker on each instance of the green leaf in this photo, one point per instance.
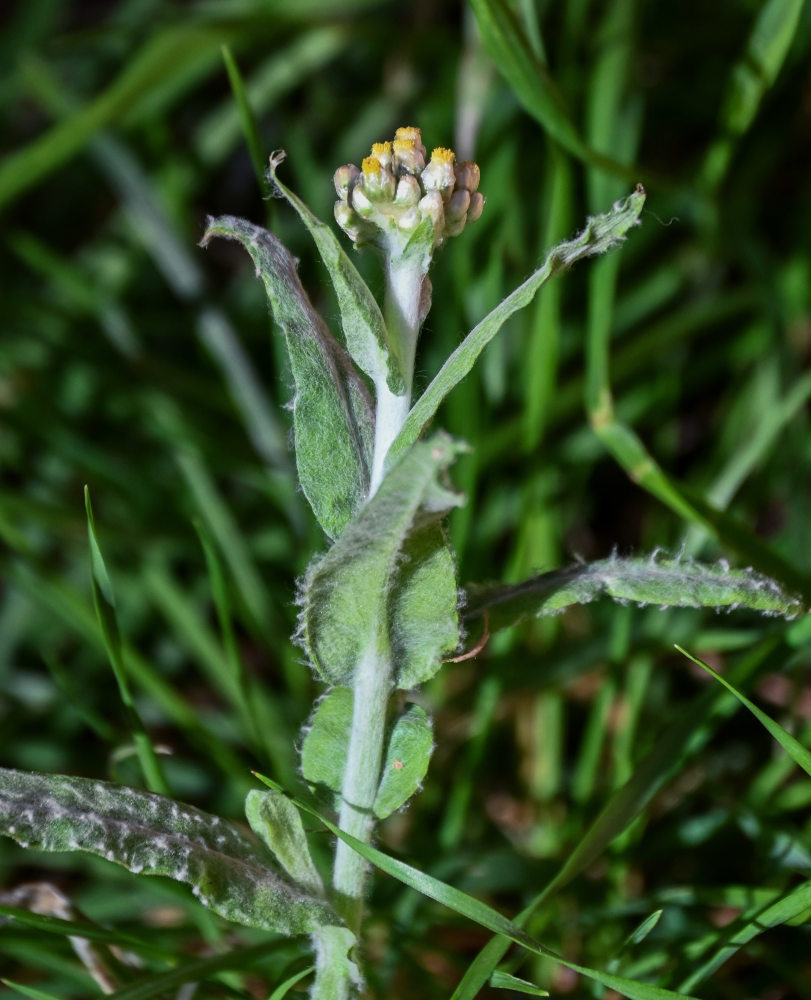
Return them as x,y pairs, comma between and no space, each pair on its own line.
504,981
367,337
638,935
284,988
277,822
423,610
510,50
326,739
659,581
28,991
773,32
601,233
246,117
78,928
348,592
407,757
460,902
794,904
333,413
798,753
153,835
180,52
198,970
676,743
104,602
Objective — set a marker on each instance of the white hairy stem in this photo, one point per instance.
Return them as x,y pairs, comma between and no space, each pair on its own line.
404,281
372,684
372,677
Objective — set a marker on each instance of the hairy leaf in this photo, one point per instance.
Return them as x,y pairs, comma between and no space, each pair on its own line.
407,757
367,337
663,582
276,821
423,606
349,591
332,410
601,233
326,738
153,835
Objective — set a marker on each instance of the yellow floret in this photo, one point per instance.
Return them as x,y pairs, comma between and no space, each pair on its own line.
371,165
442,155
381,149
408,132
403,145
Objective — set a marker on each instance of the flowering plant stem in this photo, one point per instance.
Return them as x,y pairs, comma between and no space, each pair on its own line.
404,284
373,678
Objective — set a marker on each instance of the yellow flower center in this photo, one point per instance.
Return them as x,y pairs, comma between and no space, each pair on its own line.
408,132
371,165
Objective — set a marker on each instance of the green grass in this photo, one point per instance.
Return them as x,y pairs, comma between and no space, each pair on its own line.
655,398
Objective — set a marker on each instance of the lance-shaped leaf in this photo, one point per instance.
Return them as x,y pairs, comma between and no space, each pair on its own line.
277,822
407,756
352,589
663,582
602,232
153,835
333,414
365,331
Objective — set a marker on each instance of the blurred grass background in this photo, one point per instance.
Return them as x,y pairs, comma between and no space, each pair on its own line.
137,364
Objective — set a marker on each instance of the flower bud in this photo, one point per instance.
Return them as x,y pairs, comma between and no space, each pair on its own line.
431,207
439,174
476,206
348,220
467,176
381,151
408,191
457,207
359,200
385,201
411,134
345,179
408,157
378,183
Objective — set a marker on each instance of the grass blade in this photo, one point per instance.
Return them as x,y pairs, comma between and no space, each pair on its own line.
197,971
472,908
766,50
794,904
798,753
28,991
104,601
247,119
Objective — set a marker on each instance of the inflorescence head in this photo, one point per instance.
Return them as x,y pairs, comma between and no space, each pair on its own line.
384,201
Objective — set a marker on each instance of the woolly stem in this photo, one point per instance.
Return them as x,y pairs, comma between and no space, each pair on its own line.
372,684
404,283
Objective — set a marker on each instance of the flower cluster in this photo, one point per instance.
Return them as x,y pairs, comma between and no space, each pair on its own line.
384,201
